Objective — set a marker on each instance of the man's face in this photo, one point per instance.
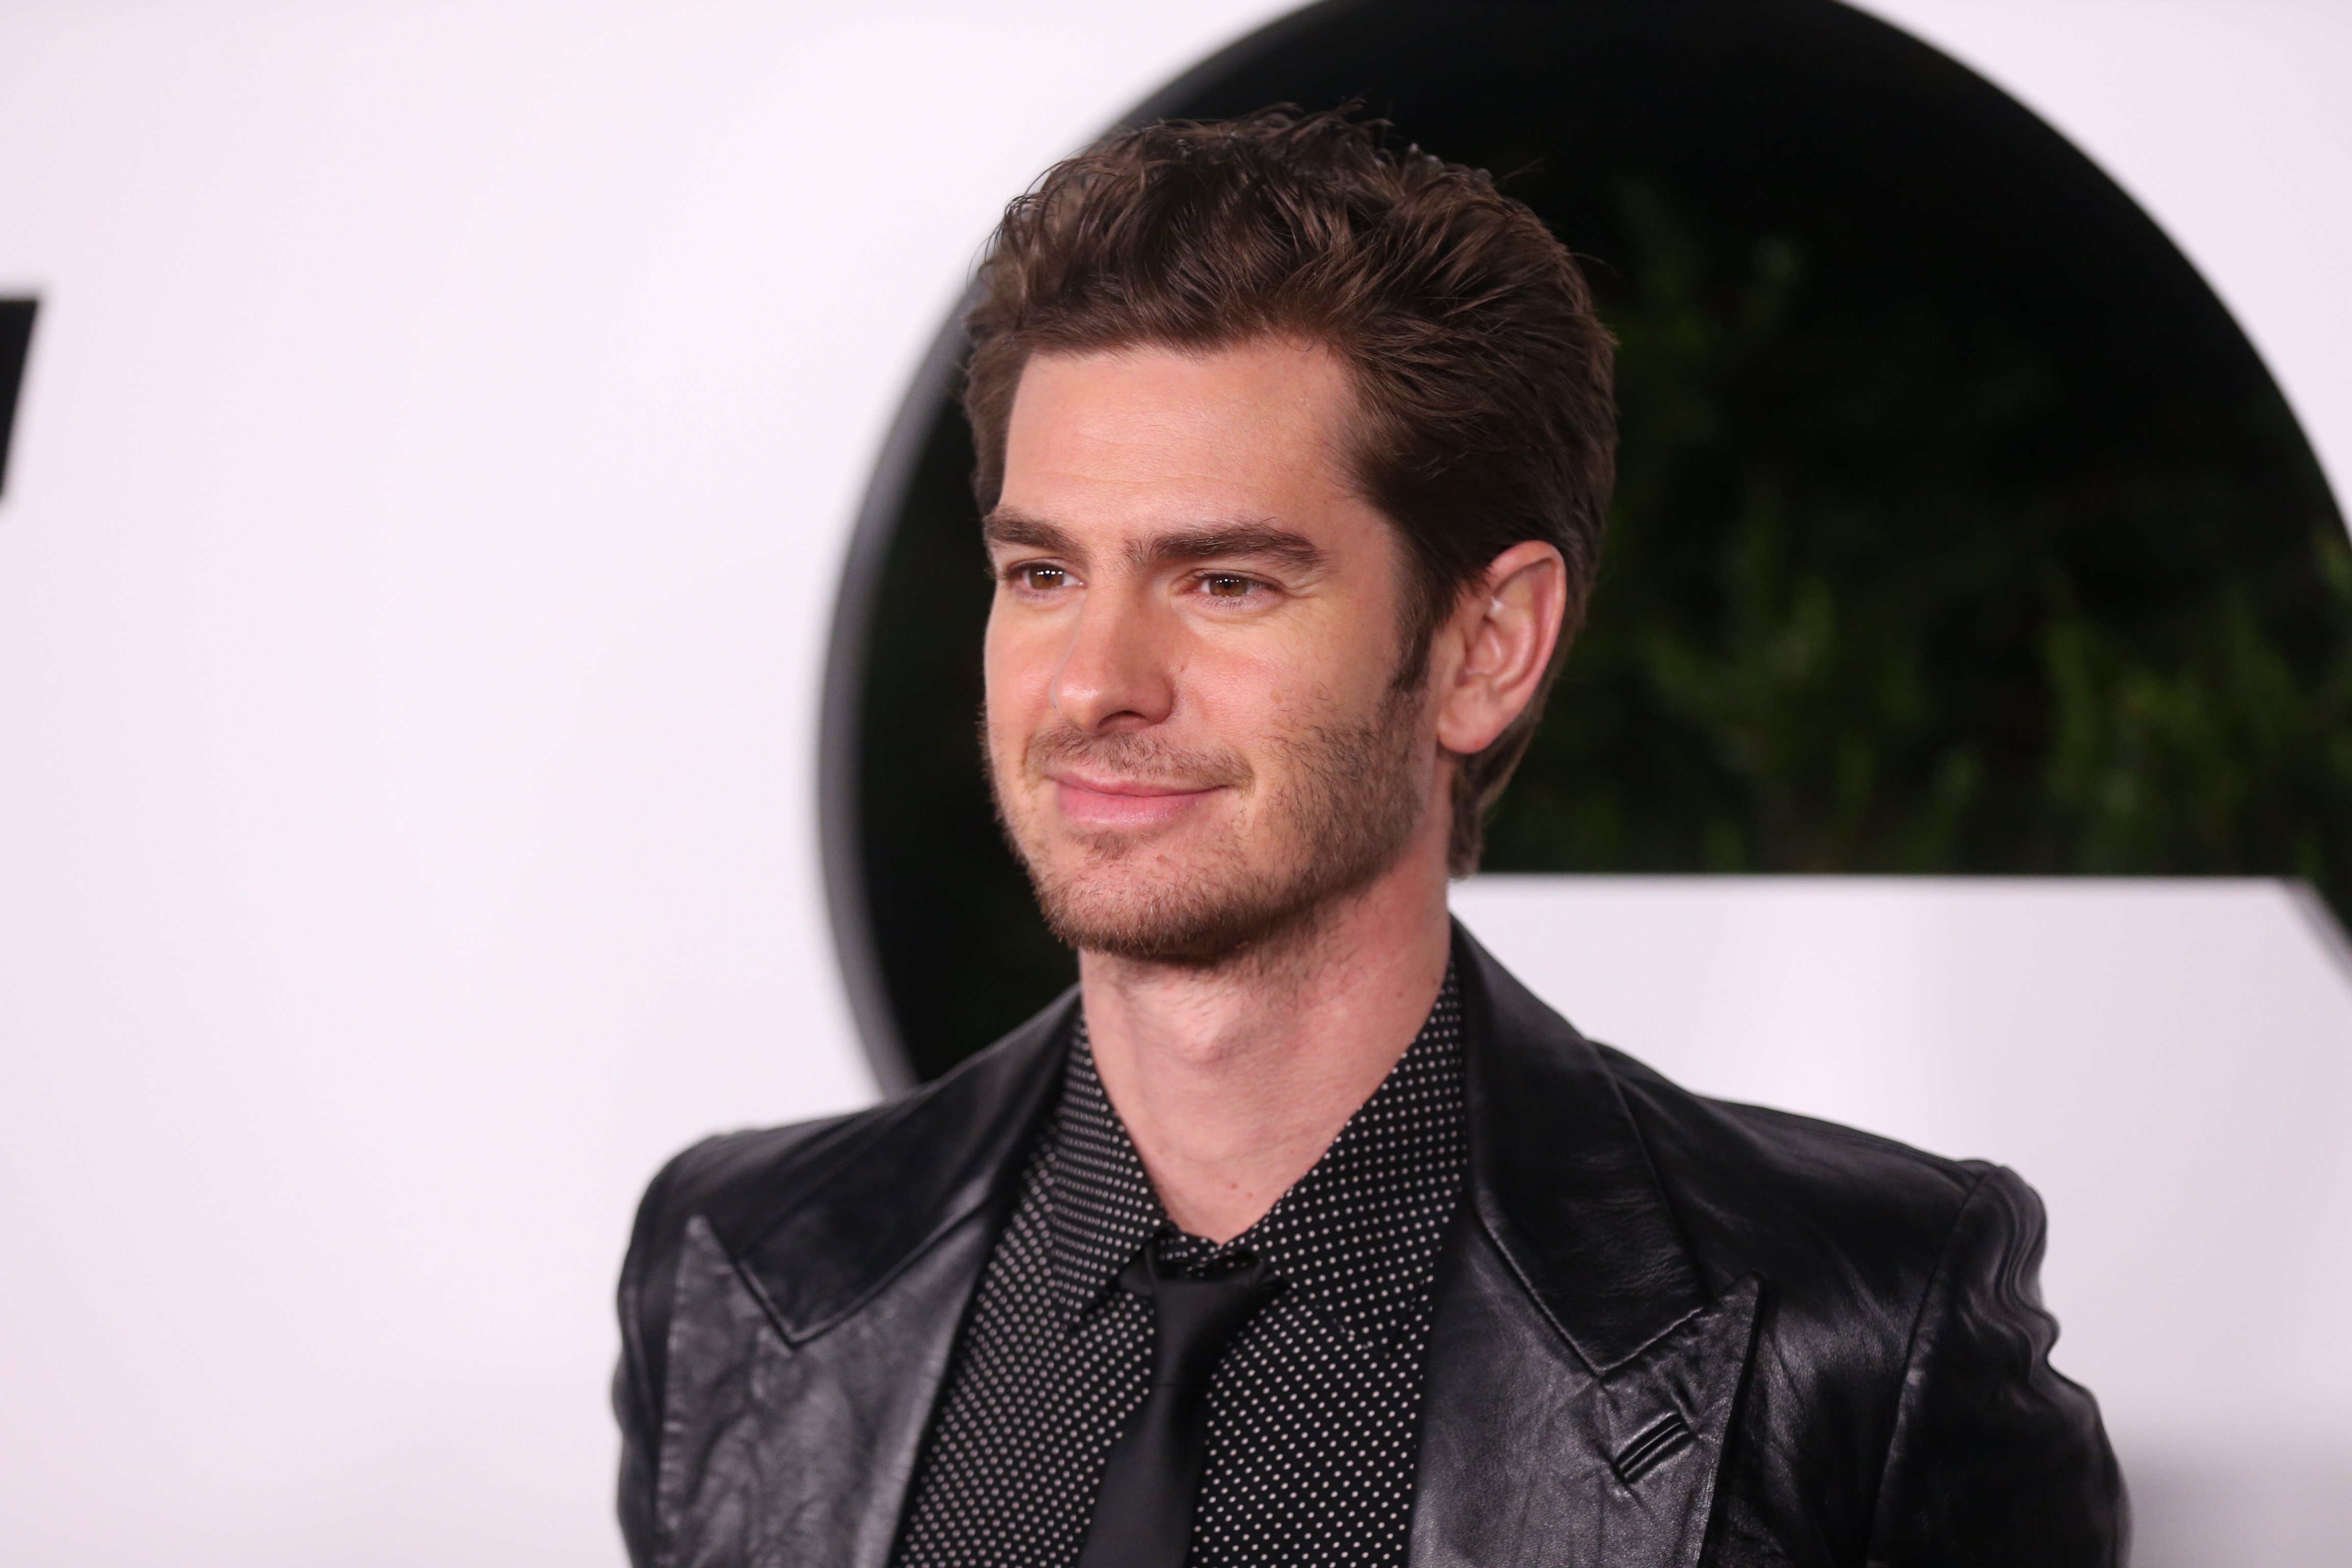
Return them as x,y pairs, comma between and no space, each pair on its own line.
1193,726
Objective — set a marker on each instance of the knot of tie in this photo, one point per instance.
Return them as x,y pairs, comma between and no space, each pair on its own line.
1143,1512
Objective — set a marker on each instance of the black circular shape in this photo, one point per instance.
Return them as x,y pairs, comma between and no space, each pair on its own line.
1959,529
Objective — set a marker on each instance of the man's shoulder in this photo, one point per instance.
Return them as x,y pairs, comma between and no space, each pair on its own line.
859,1193
733,1175
746,1183
1581,1129
1785,1148
733,1186
1797,1198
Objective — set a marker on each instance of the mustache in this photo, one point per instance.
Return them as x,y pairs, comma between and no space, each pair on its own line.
1143,758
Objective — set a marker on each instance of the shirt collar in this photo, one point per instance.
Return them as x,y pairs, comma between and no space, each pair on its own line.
1357,1236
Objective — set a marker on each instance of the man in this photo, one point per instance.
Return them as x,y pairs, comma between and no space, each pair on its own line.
1300,1233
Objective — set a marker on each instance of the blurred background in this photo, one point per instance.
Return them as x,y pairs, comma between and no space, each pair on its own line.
488,618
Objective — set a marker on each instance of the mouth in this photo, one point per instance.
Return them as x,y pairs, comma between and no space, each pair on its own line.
1124,803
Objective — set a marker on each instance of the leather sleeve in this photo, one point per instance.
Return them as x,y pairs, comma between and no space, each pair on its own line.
1996,1461
648,1285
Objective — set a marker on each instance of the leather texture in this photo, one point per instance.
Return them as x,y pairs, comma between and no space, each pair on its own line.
1669,1331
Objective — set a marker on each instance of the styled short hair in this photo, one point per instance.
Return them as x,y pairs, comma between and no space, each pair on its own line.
1485,414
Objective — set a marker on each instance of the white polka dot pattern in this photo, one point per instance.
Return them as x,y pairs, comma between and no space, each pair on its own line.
1314,1413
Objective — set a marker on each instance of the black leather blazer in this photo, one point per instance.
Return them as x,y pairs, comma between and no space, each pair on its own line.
1669,1331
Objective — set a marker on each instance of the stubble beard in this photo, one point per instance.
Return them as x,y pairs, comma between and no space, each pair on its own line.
1352,801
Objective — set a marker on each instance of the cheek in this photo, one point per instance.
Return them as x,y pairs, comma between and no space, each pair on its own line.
1331,667
1000,663
1016,674
1266,705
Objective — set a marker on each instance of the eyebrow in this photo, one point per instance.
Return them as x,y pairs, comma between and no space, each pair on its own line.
1010,528
1259,541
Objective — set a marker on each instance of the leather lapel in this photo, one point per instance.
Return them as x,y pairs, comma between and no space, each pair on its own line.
817,1308
813,1246
1665,1419
1560,1176
781,1456
1581,1378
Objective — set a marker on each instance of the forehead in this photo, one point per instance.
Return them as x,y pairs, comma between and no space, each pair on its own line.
1150,436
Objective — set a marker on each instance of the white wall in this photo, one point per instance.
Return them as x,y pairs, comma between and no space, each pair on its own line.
433,473
426,507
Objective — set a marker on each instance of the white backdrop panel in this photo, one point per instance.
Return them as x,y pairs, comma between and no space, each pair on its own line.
434,471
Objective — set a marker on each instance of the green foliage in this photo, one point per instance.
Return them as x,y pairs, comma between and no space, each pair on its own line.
2232,756
1895,585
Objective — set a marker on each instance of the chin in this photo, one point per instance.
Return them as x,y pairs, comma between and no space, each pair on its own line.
1181,930
1191,910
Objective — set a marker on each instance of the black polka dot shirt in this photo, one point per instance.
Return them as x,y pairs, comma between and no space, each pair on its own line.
1314,1413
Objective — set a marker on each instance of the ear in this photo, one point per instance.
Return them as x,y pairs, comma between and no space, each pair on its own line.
1496,648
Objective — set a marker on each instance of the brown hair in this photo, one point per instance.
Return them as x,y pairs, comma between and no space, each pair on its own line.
1482,374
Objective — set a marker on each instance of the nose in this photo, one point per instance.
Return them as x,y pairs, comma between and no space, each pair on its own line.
1116,673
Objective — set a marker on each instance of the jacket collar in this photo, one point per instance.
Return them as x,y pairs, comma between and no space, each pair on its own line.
1559,1176
817,1241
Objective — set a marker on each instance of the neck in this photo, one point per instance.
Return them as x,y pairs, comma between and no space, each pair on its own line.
1234,1080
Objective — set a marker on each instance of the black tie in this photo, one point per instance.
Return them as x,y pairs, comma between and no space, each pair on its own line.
1143,1515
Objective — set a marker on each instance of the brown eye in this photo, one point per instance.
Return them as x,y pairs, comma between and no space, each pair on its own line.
1042,578
1226,588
